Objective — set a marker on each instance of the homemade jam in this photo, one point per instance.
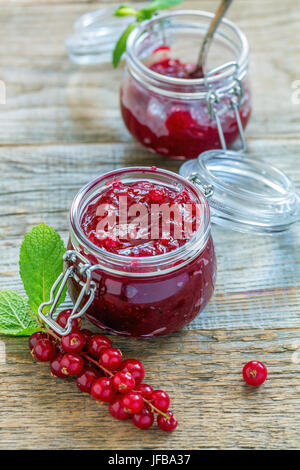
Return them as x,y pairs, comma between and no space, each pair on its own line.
147,285
146,243
165,106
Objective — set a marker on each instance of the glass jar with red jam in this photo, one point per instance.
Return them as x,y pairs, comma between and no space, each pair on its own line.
141,260
169,108
154,282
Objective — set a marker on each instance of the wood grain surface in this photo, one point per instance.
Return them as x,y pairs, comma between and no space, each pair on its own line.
60,126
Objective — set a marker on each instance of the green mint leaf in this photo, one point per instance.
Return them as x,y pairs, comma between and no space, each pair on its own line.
125,10
15,316
160,5
121,44
41,262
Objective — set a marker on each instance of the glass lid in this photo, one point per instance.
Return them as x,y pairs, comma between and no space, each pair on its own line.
95,35
244,193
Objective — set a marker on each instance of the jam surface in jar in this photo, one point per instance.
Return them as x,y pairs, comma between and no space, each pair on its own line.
180,128
153,303
140,196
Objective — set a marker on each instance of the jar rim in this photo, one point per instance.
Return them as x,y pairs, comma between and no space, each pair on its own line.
152,265
215,75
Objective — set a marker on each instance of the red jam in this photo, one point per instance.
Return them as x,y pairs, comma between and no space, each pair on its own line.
174,127
148,242
151,303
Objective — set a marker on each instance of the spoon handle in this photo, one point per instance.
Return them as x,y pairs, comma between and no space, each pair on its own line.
222,9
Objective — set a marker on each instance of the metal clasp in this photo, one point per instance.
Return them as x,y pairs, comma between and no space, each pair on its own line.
88,288
214,97
207,189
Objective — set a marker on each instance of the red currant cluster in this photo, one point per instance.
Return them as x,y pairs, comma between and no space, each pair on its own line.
100,370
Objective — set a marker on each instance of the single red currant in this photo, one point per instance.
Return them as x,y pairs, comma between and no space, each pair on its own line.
133,402
73,342
35,337
145,390
63,318
144,419
123,382
117,411
161,400
97,343
44,350
255,373
86,379
103,390
136,369
165,424
110,358
55,367
71,364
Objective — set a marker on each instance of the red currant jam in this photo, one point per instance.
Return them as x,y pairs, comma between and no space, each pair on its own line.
137,298
176,126
102,218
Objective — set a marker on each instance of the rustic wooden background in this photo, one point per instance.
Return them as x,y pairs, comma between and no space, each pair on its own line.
60,126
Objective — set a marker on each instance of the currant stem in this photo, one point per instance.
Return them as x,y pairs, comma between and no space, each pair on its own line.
156,409
89,358
108,372
51,333
111,375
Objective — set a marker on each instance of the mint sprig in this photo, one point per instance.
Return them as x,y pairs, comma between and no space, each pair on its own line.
15,316
144,13
41,262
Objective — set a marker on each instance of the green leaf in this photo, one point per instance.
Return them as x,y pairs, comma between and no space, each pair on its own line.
121,44
15,316
161,5
125,10
41,262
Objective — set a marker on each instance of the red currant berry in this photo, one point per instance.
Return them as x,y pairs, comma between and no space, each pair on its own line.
55,367
161,400
145,390
132,402
97,343
255,373
165,424
103,390
117,411
63,318
110,358
71,364
35,337
86,379
144,419
73,342
44,350
136,369
123,382
87,336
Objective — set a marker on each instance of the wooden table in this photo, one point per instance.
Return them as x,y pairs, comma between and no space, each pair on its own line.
60,126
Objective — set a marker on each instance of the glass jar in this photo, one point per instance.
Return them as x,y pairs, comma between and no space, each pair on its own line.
183,117
151,295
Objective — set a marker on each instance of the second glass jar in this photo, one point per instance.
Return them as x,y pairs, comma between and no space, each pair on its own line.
171,114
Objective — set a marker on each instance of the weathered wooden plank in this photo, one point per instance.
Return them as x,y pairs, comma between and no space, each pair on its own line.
215,408
49,99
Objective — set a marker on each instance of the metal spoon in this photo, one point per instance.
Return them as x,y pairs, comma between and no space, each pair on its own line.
220,13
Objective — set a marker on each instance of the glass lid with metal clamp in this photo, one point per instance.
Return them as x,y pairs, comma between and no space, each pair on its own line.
244,193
